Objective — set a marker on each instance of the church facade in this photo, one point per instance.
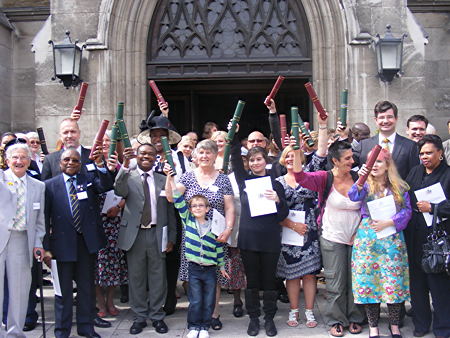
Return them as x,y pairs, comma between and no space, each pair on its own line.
207,54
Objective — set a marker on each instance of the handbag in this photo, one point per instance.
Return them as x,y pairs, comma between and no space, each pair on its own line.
436,252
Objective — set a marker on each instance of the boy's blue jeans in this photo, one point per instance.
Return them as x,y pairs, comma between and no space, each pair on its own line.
202,296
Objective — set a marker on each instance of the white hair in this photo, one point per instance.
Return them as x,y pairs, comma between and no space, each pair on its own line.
12,149
32,135
431,130
22,135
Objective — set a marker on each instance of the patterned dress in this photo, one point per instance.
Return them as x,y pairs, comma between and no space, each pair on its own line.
111,268
380,266
298,261
215,194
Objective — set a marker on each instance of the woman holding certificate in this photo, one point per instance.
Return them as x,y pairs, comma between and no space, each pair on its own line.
300,262
339,218
433,178
263,207
379,259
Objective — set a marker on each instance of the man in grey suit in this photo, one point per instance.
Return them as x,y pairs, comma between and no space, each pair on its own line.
21,232
404,151
146,219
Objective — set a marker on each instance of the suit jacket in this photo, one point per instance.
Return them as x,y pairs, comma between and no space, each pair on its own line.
61,237
35,203
51,168
129,185
405,154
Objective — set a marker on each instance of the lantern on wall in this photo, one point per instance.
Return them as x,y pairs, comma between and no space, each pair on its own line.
67,57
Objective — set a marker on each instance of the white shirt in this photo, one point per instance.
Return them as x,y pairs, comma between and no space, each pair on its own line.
10,176
151,184
391,143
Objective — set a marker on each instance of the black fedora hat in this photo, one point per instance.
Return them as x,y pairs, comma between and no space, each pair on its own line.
158,122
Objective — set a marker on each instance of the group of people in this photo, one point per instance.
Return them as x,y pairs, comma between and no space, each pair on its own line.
131,219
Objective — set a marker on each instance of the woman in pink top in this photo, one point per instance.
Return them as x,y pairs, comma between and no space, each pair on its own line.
339,218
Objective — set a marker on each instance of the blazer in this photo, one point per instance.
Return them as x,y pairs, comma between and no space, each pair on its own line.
35,203
405,154
51,168
129,186
61,237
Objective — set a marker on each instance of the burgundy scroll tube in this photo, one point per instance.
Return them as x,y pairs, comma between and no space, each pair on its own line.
274,90
158,94
315,99
99,138
369,164
83,90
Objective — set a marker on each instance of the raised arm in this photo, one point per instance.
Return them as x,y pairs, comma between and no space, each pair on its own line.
274,124
322,143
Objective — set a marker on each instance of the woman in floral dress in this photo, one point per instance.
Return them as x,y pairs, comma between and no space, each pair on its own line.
380,265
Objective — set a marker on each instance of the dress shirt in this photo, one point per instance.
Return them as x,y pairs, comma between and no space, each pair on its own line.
391,143
12,177
151,184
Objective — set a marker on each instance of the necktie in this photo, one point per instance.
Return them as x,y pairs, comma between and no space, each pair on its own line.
147,212
75,205
386,144
19,220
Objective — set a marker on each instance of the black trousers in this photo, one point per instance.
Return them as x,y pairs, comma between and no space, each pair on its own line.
260,269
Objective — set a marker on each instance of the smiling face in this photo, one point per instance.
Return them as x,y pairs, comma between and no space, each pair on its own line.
416,130
198,207
430,156
155,138
205,158
35,145
256,139
70,163
257,164
105,145
146,156
69,134
18,162
220,141
386,122
345,162
379,168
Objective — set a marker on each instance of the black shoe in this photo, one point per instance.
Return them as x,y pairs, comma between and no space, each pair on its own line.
29,327
253,327
137,327
271,330
160,326
238,311
394,335
89,335
169,310
46,282
216,324
98,322
283,297
419,333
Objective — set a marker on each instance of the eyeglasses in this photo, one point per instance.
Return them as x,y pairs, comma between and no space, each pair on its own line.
35,142
22,158
68,159
198,206
255,141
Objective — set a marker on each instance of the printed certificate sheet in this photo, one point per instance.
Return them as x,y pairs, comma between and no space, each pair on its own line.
432,194
383,209
259,205
289,236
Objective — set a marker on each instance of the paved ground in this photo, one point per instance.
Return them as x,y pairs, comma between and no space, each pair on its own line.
232,327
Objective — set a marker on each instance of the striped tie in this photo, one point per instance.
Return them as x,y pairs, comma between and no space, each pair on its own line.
75,205
19,220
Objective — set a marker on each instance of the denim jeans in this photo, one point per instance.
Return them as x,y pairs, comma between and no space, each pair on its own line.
202,296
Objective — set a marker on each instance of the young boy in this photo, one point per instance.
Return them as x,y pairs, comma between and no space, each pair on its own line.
204,254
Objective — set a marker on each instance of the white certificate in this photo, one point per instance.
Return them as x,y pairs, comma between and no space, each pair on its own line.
433,194
258,203
218,224
55,277
164,239
290,236
383,209
111,200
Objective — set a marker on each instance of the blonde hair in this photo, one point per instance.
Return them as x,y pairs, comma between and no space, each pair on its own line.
186,139
393,181
285,153
219,133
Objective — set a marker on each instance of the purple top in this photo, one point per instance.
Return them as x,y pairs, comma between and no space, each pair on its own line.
401,218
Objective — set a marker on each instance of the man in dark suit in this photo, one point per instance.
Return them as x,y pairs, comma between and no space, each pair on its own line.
73,237
147,217
404,151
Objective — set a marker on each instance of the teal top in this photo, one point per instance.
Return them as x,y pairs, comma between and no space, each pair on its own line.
203,250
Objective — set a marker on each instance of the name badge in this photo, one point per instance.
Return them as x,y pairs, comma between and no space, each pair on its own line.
90,167
163,193
213,188
37,206
82,195
33,172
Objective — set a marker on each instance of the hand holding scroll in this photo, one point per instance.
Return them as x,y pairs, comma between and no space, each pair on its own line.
76,114
272,107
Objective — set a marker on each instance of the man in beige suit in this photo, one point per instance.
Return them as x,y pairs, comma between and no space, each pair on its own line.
21,232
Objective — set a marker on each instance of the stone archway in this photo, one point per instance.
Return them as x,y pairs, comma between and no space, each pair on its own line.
123,33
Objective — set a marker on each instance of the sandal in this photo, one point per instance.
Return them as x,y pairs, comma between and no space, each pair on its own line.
113,311
216,324
293,318
337,330
311,321
101,314
355,328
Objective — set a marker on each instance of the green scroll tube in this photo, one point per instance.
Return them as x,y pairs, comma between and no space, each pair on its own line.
305,131
295,127
123,133
119,116
114,137
168,153
230,136
344,106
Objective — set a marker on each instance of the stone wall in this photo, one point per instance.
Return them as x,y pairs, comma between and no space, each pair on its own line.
5,74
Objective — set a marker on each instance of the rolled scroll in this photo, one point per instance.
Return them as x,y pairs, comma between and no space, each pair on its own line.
115,135
283,129
41,136
123,133
98,141
80,103
305,131
295,127
344,106
315,99
369,163
158,94
236,117
168,153
274,90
